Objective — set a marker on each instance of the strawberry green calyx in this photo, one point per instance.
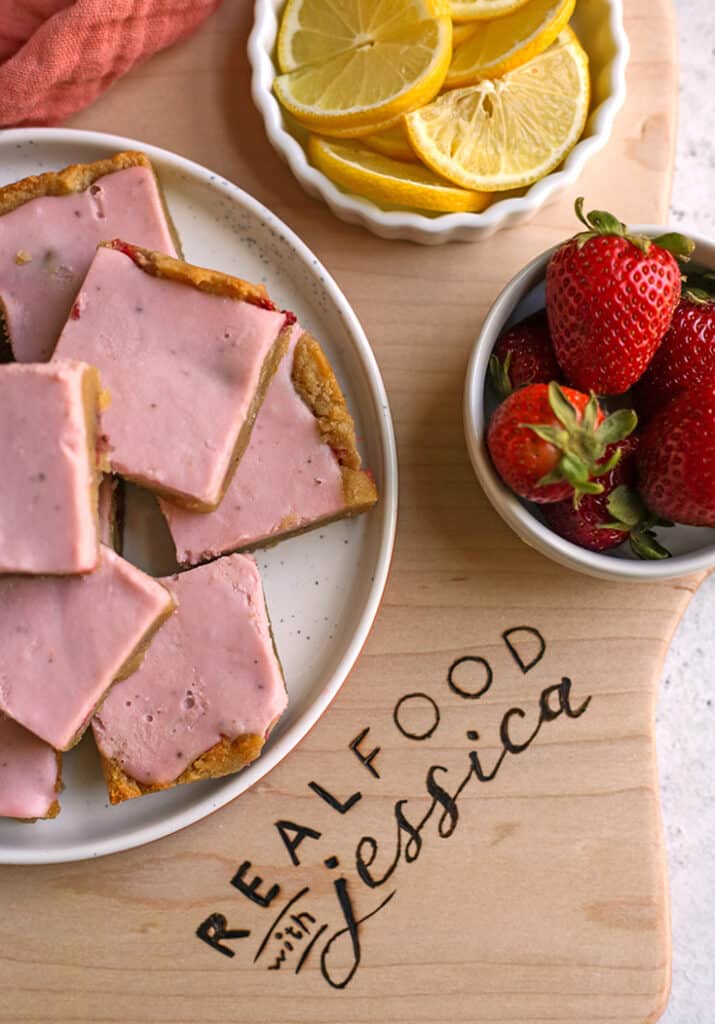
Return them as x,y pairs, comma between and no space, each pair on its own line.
582,442
499,374
676,244
600,222
697,295
699,287
631,516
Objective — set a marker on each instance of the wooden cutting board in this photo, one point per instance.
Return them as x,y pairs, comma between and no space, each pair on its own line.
500,859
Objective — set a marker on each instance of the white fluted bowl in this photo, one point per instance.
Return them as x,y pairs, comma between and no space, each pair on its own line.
599,26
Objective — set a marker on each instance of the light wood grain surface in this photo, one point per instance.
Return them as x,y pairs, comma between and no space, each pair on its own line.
538,896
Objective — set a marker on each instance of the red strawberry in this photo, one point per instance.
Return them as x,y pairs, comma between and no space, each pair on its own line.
524,355
548,443
603,521
676,458
610,297
685,356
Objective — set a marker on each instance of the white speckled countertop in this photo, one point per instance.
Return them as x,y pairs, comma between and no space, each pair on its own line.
686,715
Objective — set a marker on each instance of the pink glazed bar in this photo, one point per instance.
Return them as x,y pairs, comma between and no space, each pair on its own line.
48,499
50,226
65,639
301,467
208,692
187,355
30,774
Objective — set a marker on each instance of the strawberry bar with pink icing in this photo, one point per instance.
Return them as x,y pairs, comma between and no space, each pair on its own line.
29,774
289,479
208,692
50,227
65,639
48,498
186,362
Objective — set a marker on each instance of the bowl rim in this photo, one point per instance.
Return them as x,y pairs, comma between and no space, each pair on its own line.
260,44
533,532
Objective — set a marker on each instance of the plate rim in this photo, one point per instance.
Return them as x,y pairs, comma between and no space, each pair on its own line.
294,734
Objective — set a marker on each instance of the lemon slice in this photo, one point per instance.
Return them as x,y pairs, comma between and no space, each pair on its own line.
362,130
478,10
392,142
389,182
462,31
390,57
507,132
501,45
313,32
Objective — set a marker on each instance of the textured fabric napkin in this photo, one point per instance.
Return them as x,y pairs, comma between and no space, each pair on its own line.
56,56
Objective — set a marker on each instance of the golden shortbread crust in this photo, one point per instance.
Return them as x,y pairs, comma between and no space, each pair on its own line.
315,382
215,282
224,758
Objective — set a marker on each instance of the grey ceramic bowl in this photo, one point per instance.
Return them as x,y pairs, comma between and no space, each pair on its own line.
693,548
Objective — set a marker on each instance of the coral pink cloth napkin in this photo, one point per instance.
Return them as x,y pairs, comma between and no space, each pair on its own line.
56,56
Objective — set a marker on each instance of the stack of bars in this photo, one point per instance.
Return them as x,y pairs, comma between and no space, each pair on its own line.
191,383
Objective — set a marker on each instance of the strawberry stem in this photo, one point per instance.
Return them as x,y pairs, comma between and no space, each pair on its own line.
601,222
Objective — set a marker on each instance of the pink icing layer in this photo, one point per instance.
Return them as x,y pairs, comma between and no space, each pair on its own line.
63,639
60,235
47,509
182,367
211,672
28,773
286,480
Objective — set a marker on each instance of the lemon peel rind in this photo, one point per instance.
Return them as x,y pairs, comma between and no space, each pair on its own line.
382,189
521,53
474,10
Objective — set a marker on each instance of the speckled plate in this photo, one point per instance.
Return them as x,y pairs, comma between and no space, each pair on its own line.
338,572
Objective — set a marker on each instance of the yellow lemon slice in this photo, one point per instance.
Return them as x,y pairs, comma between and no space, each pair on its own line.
362,130
392,142
462,31
508,132
310,33
390,182
390,57
478,10
501,45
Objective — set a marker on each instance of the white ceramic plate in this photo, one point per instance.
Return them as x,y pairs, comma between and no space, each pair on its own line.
322,589
599,26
